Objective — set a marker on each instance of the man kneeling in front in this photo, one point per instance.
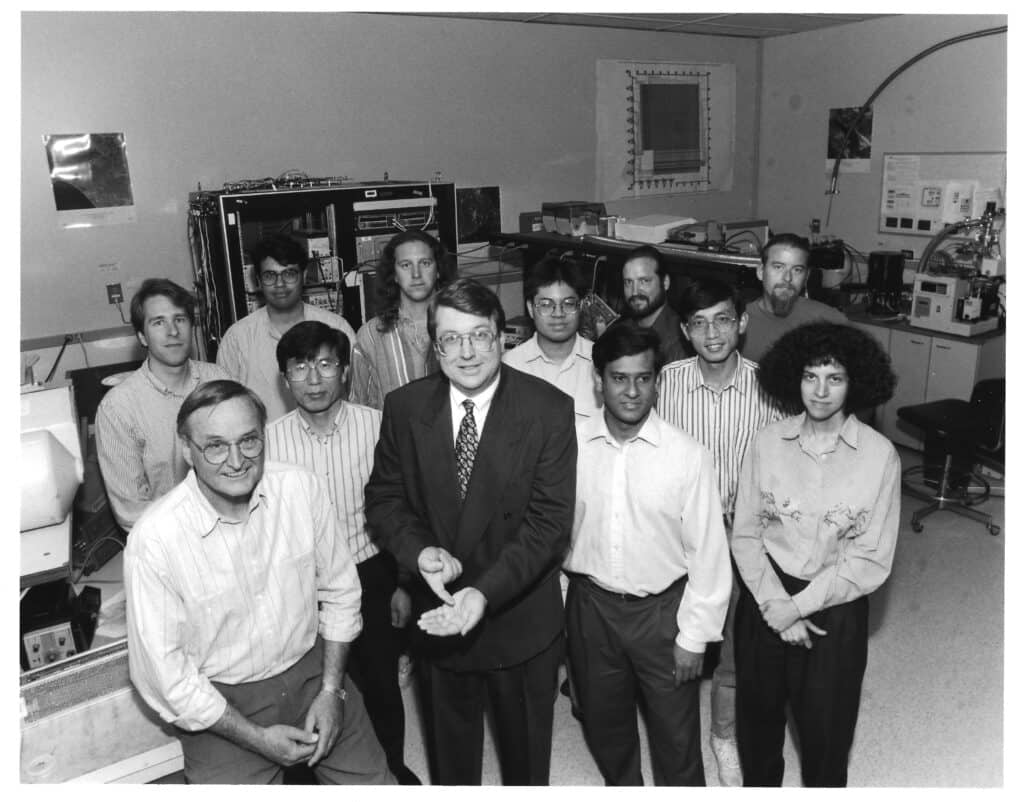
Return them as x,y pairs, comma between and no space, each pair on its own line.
224,576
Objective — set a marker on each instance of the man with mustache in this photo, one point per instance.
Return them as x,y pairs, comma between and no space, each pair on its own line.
644,287
781,307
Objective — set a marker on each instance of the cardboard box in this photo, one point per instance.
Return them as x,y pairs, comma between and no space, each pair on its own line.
575,218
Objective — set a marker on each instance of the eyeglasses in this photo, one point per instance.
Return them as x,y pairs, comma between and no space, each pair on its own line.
450,344
325,368
217,453
268,278
700,325
568,306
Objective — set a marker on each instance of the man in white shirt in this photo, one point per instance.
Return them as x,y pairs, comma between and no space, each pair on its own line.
649,571
556,352
139,455
242,602
248,349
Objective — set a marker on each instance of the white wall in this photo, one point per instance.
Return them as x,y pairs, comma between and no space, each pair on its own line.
952,100
209,98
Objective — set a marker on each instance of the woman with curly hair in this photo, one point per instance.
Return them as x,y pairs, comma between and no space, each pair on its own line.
394,348
817,514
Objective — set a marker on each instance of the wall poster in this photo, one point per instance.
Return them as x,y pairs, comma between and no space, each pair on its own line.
854,149
90,180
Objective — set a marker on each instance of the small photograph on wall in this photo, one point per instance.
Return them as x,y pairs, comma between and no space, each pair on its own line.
90,180
853,146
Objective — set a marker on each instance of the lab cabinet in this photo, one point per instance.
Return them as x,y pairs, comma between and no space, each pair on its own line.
930,367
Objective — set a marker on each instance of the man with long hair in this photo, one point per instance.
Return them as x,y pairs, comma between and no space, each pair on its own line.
393,348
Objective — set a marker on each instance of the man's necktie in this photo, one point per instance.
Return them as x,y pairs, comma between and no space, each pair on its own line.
465,448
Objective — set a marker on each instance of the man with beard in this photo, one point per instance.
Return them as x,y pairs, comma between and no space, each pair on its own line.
781,307
644,284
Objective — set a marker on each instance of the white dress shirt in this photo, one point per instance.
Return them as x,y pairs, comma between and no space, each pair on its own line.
211,599
647,513
481,406
574,376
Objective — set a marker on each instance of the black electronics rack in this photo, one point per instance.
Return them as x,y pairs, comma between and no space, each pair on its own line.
351,218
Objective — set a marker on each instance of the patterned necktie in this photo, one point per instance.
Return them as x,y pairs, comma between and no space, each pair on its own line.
465,448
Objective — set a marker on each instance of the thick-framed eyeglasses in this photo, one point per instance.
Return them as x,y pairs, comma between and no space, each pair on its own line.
325,368
700,325
290,275
217,453
449,344
567,306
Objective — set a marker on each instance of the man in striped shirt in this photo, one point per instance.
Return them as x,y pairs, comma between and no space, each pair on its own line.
335,439
139,454
715,397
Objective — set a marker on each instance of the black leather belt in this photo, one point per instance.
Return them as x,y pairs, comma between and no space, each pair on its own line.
591,585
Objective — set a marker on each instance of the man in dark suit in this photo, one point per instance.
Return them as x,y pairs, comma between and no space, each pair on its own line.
473,490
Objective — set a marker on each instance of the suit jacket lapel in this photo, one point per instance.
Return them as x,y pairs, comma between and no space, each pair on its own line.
432,432
492,468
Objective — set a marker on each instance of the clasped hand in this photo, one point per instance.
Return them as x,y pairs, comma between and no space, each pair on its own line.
289,745
783,616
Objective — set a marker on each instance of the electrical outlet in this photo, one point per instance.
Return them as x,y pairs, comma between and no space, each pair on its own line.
114,294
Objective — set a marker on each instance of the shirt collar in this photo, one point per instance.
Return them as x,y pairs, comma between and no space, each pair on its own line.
193,375
206,517
338,418
596,427
695,378
481,401
534,351
849,433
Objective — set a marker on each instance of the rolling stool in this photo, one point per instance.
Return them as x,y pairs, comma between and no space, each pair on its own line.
957,431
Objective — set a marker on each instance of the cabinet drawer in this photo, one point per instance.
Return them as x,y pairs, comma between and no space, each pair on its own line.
952,369
910,354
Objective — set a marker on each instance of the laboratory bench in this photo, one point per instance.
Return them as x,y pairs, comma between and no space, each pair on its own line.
82,719
601,259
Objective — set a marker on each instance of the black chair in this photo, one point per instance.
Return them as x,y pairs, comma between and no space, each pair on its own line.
957,434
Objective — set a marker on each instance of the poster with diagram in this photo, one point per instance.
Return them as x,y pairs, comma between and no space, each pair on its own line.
922,193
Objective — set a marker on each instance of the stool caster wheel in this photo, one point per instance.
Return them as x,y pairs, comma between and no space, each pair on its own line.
993,529
917,526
